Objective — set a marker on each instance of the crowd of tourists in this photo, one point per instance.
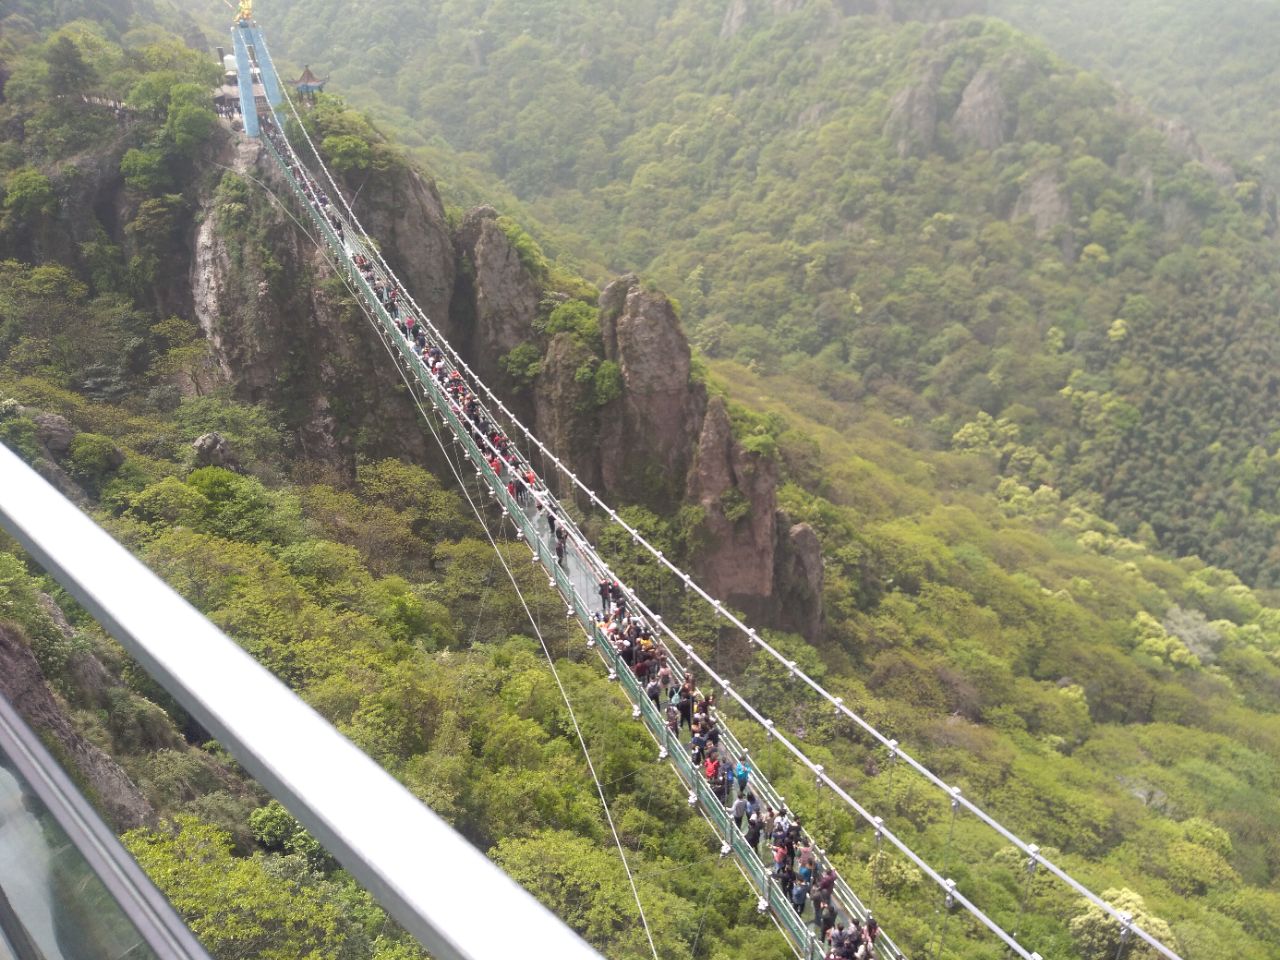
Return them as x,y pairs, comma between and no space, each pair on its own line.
787,850
776,836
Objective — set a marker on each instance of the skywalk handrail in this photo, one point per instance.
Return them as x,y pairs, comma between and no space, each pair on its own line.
388,839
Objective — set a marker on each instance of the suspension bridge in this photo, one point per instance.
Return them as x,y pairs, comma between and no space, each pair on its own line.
575,568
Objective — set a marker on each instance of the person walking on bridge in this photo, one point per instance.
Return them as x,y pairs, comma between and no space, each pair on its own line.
754,829
826,885
799,894
742,773
685,705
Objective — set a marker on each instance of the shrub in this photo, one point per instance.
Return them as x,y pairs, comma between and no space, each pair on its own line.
608,383
527,248
28,195
522,364
92,458
189,121
145,171
347,153
574,317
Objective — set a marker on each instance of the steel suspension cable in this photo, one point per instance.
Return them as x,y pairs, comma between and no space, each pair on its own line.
363,304
638,538
498,553
690,584
588,553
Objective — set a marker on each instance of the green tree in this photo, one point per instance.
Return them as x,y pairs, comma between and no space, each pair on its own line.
347,153
236,906
1097,935
584,883
189,118
69,74
28,195
145,170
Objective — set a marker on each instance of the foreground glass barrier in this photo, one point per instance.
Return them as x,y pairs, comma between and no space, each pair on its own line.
68,889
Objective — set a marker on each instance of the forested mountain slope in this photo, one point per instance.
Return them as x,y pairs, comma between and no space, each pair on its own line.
938,217
1210,66
1102,697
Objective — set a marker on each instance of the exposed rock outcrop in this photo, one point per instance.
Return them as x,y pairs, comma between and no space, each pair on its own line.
1044,201
504,297
1182,139
735,18
212,450
738,494
913,116
982,116
285,332
22,684
281,329
663,442
54,433
798,578
559,402
647,443
53,436
405,212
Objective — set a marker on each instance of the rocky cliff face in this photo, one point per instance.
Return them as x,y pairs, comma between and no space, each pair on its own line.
284,330
22,683
497,297
663,442
404,211
983,114
737,492
913,115
647,436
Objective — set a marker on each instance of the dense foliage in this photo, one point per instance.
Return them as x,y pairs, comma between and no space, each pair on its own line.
376,599
938,218
1208,66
